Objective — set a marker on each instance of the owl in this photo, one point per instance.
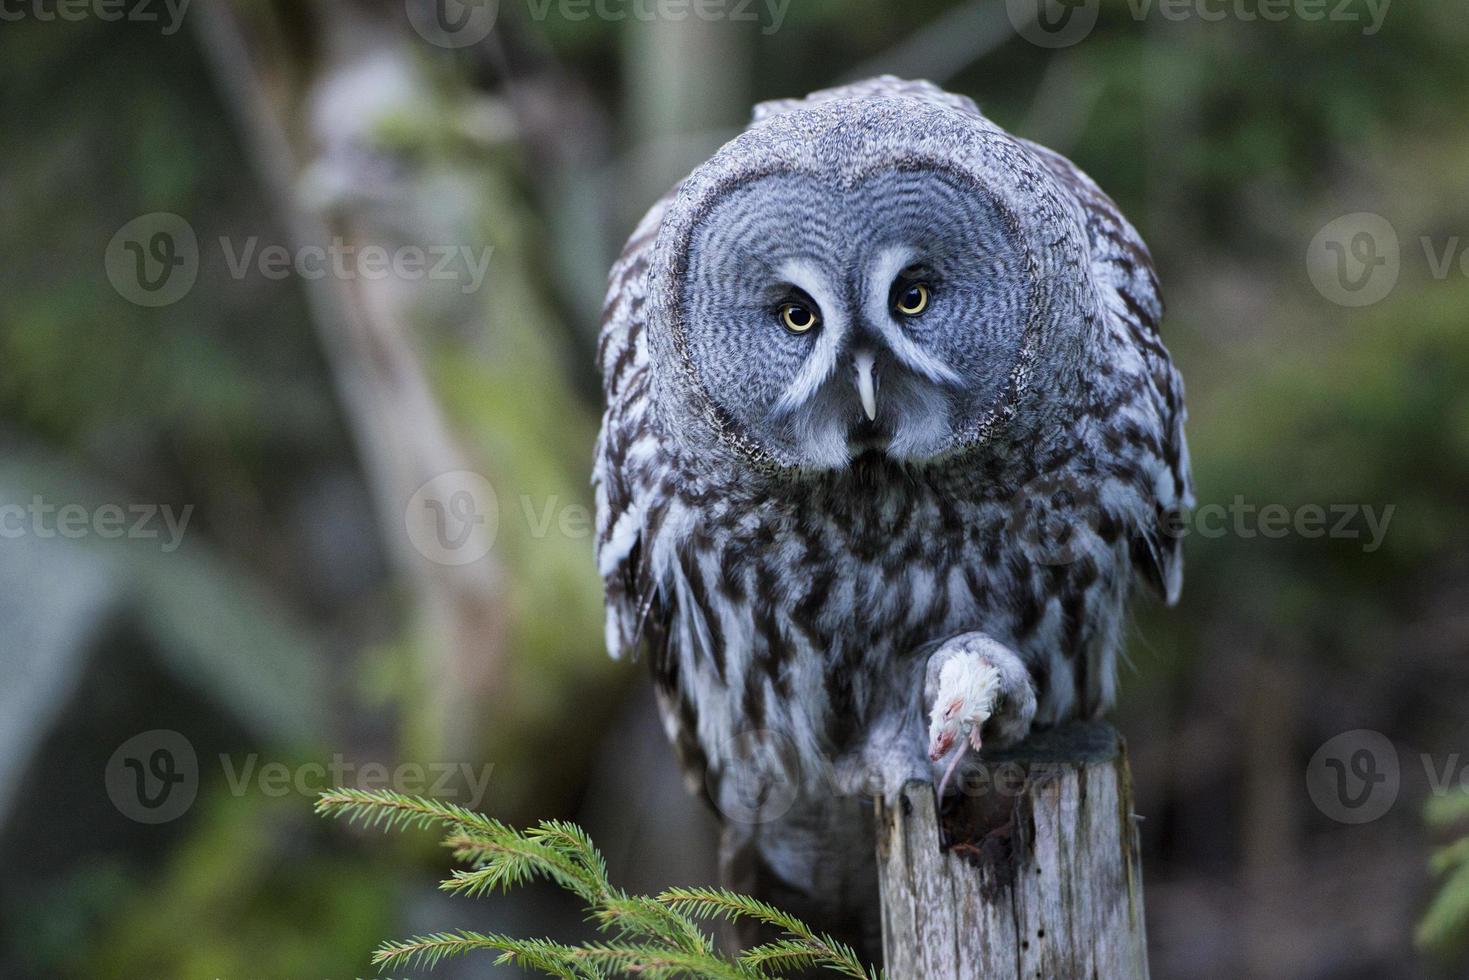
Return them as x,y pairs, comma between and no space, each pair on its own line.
890,438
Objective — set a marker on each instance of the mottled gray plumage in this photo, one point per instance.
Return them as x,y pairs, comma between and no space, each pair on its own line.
799,574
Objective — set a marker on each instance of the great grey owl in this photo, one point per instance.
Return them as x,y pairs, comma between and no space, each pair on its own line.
889,435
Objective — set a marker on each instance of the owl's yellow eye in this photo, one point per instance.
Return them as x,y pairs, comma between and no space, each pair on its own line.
797,317
912,300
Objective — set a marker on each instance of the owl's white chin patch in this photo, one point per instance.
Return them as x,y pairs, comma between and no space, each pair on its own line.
917,439
833,428
825,447
919,449
922,430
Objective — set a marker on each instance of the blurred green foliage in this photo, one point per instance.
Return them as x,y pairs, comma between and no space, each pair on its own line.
1445,926
252,893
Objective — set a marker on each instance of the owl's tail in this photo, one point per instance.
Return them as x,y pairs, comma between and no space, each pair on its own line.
815,862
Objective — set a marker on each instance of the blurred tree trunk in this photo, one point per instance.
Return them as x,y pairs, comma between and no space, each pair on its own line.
306,100
688,90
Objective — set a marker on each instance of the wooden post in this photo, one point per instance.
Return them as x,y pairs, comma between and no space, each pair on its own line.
1032,871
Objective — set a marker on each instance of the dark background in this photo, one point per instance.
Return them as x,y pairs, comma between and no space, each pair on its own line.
301,619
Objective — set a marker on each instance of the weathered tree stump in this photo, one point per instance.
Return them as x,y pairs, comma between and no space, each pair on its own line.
1032,871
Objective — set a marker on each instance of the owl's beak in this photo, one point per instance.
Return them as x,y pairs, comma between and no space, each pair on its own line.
866,384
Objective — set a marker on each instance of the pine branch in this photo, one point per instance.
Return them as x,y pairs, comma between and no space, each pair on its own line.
512,859
505,861
721,903
655,938
428,951
660,963
395,811
638,915
709,903
788,954
573,840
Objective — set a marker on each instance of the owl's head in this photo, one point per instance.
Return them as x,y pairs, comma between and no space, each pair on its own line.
862,276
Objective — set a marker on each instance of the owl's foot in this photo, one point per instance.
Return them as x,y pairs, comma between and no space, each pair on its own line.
980,694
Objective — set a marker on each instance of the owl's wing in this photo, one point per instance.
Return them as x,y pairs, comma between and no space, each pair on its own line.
1153,428
620,476
631,503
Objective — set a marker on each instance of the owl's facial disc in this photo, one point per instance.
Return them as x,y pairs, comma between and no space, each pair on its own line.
825,321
